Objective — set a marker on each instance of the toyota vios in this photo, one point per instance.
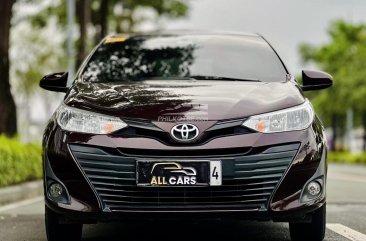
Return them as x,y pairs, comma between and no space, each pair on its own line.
184,124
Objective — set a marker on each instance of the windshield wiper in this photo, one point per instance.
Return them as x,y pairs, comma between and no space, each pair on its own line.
207,77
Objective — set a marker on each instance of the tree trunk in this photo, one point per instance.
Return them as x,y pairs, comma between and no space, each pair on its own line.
8,120
83,16
99,19
364,130
103,18
333,140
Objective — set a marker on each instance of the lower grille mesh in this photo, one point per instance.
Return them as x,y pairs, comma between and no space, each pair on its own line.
248,181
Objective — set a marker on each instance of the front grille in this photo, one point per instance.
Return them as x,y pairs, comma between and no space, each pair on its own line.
248,181
147,129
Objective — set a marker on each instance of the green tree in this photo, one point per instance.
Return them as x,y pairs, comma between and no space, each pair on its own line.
344,56
105,16
35,56
120,15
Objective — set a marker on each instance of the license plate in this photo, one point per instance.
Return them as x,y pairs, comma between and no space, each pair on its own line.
178,173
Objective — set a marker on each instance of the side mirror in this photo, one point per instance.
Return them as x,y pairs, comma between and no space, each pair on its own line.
55,82
315,80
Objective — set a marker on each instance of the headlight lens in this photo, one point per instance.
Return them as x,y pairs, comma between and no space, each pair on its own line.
76,120
291,119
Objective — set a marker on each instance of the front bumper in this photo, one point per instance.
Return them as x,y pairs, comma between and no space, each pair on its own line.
263,176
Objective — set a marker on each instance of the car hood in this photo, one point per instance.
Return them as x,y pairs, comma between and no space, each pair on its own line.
175,100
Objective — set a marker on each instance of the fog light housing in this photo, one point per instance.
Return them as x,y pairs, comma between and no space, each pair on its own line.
55,190
314,188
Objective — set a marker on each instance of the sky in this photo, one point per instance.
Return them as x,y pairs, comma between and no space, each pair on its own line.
284,23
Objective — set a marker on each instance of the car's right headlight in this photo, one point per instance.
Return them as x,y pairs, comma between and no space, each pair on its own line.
77,120
290,119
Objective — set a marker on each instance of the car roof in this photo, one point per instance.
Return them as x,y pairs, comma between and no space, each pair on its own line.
183,32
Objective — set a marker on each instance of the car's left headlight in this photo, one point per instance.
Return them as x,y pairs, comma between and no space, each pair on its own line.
290,119
76,120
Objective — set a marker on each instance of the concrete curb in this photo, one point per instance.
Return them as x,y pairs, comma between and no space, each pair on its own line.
20,192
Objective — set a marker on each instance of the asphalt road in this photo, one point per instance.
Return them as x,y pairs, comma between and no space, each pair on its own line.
346,219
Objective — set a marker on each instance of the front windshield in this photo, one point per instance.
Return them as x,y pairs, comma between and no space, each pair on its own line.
184,56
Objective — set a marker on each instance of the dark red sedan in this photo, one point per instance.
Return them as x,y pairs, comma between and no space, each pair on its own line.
184,124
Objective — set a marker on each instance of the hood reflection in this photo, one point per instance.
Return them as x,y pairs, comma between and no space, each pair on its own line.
208,100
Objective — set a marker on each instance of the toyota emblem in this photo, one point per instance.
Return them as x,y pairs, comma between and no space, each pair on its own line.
184,132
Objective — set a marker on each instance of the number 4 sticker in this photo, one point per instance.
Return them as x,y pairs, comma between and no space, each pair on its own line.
215,173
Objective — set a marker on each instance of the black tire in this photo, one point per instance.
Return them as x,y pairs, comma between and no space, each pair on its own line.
57,232
313,231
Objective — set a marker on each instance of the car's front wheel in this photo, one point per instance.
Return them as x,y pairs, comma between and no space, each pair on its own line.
57,231
314,231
